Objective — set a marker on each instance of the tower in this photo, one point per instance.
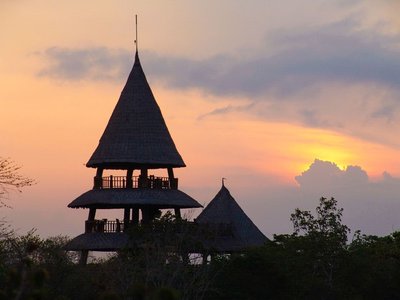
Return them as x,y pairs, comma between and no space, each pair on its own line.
137,141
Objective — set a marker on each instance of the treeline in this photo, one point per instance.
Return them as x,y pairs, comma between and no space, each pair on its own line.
316,261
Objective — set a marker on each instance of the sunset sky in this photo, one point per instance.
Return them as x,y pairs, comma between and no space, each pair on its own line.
288,100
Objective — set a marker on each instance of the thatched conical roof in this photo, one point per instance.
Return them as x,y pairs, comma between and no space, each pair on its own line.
223,209
136,135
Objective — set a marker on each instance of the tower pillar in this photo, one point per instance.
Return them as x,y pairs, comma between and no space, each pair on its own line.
126,218
129,182
98,179
84,257
135,216
178,213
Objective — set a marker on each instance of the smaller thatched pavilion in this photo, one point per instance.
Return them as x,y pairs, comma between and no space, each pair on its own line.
234,231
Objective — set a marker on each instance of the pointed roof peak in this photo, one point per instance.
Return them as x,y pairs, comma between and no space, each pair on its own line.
223,193
136,135
137,60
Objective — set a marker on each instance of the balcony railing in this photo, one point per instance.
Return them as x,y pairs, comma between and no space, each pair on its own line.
135,182
104,226
209,231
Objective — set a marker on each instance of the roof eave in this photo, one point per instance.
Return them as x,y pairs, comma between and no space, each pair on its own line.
133,165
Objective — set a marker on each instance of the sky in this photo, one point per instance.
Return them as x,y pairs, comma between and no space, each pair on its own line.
288,100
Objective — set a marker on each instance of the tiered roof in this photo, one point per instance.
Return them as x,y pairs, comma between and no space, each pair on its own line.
98,241
117,198
136,135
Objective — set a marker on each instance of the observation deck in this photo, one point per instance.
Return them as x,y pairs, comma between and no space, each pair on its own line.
135,182
115,226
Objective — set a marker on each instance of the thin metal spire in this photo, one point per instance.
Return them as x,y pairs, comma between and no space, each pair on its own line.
136,39
223,181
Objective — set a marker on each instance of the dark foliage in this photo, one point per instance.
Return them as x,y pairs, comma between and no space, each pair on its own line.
314,262
318,264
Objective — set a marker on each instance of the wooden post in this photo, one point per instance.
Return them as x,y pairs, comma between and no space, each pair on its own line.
171,173
98,180
89,224
178,213
143,180
92,214
84,257
173,182
126,218
135,216
145,215
129,181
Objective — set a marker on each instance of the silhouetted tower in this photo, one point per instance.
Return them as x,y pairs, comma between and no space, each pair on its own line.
137,141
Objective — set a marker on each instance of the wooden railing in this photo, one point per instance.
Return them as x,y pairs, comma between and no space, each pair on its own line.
122,182
104,226
204,230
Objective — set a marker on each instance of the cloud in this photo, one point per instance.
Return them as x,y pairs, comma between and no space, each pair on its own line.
372,206
85,64
303,58
228,109
327,176
334,76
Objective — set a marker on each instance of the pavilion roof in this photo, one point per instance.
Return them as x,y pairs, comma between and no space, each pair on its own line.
224,210
136,135
121,198
98,241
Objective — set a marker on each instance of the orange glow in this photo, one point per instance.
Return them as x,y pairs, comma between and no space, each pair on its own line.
278,149
60,124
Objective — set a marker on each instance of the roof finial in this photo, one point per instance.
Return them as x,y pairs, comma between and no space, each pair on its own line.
136,38
223,181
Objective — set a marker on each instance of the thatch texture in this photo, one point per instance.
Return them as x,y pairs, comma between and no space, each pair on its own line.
136,135
120,198
224,210
98,241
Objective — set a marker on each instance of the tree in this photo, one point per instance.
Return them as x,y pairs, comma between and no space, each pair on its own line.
11,179
256,273
306,264
324,239
32,267
160,259
372,270
327,223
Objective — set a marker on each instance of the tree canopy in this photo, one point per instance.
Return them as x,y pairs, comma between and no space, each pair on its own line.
315,261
